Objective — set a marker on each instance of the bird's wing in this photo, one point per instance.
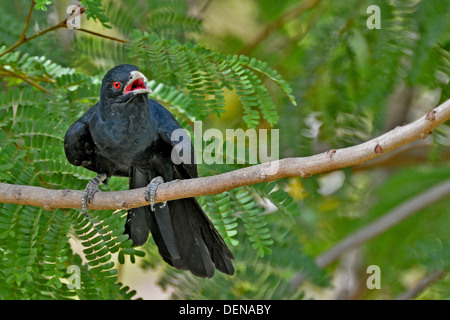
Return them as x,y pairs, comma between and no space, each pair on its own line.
198,242
171,132
78,143
81,150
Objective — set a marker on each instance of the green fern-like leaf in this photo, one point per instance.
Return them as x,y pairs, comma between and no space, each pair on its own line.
204,73
220,210
95,11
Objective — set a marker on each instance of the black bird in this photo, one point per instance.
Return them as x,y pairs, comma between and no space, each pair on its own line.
128,135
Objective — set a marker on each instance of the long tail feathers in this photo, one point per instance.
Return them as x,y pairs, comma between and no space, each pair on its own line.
200,244
185,237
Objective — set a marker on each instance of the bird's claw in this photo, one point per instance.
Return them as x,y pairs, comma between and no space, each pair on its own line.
90,190
150,192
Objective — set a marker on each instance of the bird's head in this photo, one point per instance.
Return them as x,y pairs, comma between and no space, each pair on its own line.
122,83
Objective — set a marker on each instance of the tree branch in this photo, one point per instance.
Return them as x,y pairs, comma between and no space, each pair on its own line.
288,15
382,224
24,78
62,24
23,39
27,22
422,285
289,167
414,153
103,35
387,221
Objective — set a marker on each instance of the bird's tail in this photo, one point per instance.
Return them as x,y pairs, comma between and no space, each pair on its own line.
185,237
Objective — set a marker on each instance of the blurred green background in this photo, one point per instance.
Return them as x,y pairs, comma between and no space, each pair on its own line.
321,76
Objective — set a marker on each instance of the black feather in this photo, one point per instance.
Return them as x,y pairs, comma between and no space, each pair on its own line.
125,134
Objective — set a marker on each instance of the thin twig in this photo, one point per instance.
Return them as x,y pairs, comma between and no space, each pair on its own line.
203,8
382,224
422,285
23,37
25,78
279,22
103,35
387,221
22,41
27,22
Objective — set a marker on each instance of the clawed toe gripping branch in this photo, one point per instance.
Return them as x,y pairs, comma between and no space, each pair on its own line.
150,192
91,188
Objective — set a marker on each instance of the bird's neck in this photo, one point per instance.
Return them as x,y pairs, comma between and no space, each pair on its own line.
137,107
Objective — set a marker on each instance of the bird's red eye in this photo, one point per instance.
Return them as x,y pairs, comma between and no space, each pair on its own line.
116,85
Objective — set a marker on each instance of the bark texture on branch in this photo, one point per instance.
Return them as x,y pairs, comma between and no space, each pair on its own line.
289,167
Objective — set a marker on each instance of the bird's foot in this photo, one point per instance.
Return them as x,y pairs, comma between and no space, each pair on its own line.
150,192
91,189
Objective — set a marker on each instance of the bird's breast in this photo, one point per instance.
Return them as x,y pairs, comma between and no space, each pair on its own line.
125,141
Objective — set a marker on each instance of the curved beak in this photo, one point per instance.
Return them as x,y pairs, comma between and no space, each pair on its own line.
136,84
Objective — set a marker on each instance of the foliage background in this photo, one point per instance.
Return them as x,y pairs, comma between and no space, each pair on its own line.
309,68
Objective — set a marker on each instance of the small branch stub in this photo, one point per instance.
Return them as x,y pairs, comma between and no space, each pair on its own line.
431,115
331,153
378,149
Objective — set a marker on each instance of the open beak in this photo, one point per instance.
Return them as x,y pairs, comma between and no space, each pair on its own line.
136,84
